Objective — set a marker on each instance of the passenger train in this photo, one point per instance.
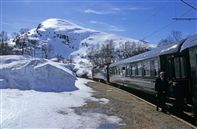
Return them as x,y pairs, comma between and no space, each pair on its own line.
178,60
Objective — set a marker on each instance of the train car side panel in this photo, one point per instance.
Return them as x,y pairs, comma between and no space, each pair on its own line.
193,63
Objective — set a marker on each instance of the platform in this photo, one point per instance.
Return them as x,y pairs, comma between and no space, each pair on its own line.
135,112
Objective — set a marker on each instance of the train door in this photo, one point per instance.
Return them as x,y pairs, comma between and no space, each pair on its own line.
176,67
167,64
181,86
193,65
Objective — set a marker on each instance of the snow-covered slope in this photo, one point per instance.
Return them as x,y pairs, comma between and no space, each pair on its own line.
60,38
63,37
26,73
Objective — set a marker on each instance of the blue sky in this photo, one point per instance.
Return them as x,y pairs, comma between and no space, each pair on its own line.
139,19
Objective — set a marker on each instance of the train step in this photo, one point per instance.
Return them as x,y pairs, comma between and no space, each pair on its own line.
170,101
191,114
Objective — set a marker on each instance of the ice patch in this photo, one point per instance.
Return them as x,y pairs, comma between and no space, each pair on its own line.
103,101
100,100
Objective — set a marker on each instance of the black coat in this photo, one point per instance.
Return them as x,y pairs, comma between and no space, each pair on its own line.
161,86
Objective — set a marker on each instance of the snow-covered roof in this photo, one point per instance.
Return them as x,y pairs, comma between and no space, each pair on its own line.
190,42
163,50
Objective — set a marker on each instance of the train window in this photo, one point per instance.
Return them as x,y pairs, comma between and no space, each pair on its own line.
111,71
140,69
147,68
114,71
154,68
136,70
177,67
131,70
169,66
122,71
183,67
128,70
117,71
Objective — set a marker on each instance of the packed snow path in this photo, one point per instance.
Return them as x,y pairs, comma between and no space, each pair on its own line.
34,109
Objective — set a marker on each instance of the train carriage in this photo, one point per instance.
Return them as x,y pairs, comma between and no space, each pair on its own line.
179,60
140,71
190,49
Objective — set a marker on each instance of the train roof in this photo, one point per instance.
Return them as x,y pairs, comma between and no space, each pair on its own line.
163,50
190,42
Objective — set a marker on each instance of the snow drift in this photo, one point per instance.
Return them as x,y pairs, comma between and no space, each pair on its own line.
27,73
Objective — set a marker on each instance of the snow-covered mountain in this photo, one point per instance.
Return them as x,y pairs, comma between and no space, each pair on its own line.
63,38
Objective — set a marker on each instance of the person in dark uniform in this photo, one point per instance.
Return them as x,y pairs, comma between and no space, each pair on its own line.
161,87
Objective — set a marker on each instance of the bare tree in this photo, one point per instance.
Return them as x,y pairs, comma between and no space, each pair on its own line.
47,50
21,42
23,30
108,53
174,37
129,49
3,37
32,47
5,49
102,56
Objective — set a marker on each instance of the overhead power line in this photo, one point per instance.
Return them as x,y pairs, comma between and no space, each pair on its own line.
189,19
164,27
185,18
188,4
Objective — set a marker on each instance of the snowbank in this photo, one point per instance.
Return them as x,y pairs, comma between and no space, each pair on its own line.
28,73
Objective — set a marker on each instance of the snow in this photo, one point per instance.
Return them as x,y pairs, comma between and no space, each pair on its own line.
190,42
82,66
33,109
100,73
62,36
19,72
11,43
24,102
62,25
104,100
